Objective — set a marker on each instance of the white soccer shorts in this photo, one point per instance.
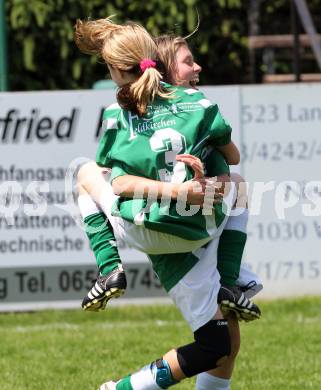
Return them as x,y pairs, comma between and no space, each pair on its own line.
196,293
153,242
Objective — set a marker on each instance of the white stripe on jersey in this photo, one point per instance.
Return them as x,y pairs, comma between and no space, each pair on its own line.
110,123
113,106
205,103
123,119
191,91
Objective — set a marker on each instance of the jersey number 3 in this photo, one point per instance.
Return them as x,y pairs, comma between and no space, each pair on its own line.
172,143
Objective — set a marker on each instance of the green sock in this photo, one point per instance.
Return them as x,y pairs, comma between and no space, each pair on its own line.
229,256
102,242
124,384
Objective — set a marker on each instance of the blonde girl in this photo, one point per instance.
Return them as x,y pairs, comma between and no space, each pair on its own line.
138,141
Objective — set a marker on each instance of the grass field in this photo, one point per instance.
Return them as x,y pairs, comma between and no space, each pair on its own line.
77,351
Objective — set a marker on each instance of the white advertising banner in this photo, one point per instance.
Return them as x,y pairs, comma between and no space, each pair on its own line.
44,137
44,254
45,260
281,154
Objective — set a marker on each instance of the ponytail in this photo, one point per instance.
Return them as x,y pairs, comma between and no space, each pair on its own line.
145,89
91,35
124,47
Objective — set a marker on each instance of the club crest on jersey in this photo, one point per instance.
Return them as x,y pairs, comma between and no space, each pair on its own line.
159,116
174,109
139,125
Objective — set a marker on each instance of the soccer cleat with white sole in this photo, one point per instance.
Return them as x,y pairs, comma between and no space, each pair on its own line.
112,285
233,299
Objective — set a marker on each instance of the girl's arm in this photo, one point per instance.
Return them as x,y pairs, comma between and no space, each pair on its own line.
140,187
230,153
130,186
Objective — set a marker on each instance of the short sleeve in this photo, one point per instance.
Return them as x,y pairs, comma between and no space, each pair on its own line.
215,126
109,127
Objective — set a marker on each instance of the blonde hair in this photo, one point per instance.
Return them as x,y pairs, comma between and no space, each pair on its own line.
167,47
124,47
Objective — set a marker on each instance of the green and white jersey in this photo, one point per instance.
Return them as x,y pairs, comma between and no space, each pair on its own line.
147,146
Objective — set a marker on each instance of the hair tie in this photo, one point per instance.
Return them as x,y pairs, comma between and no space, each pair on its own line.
146,63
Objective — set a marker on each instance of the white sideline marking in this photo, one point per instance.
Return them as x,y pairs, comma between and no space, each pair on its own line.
74,304
69,326
307,320
37,328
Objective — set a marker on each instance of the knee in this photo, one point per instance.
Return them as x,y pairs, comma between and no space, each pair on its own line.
84,170
210,349
87,173
82,173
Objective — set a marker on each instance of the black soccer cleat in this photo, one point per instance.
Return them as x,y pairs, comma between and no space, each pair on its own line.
232,298
112,285
251,288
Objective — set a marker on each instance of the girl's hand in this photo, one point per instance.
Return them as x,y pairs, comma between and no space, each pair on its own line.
200,187
194,162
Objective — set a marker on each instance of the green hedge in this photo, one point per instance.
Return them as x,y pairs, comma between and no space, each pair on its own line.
42,54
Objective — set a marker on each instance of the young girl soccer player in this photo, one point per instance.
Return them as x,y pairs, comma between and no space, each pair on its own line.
177,68
180,68
129,52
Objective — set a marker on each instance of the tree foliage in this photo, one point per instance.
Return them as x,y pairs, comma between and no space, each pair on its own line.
42,54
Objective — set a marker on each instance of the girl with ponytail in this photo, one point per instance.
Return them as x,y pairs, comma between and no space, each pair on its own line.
149,141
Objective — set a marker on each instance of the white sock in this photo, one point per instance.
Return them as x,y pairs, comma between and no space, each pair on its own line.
205,381
144,379
87,206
